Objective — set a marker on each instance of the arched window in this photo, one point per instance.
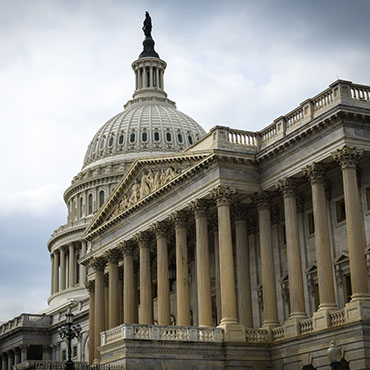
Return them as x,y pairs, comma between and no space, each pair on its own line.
111,141
190,138
156,136
120,140
81,207
179,138
132,137
102,144
101,198
90,204
168,136
144,136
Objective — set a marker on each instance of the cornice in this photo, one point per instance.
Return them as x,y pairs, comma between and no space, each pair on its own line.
67,232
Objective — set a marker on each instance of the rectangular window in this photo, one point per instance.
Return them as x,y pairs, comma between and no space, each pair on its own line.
311,224
368,198
340,210
74,351
64,355
347,288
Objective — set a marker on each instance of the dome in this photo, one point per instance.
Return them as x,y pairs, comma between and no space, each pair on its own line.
150,123
148,127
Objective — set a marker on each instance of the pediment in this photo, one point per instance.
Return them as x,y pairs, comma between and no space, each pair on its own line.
311,268
146,179
342,258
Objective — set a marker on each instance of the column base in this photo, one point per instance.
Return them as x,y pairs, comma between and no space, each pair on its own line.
320,318
291,326
358,309
233,331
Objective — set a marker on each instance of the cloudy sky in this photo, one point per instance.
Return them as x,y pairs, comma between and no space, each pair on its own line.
65,69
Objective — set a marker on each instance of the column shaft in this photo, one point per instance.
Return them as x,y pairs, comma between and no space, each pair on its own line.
52,273
128,288
113,317
82,267
146,300
62,268
90,285
56,272
217,273
71,268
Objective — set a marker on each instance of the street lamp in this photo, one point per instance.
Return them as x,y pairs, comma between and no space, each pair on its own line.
68,332
334,355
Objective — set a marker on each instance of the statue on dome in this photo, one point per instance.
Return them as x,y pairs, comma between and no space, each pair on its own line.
147,27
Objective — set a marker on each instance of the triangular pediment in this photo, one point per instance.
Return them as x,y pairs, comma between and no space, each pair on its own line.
146,179
311,268
342,258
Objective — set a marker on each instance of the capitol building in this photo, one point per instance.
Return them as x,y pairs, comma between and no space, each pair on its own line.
227,249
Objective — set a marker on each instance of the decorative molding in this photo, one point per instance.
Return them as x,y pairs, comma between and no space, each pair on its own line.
199,207
262,200
160,229
223,195
113,255
98,263
179,218
315,173
90,286
287,186
239,211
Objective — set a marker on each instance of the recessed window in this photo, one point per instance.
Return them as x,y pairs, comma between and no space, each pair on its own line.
368,198
156,136
144,137
132,137
179,138
168,136
74,351
311,224
95,146
111,141
64,355
101,198
90,204
102,144
120,140
190,139
347,288
340,210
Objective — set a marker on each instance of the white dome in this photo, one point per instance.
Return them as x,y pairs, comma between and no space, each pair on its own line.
147,127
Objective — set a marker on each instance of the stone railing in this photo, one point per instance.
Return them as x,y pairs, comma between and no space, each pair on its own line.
27,321
337,317
256,335
60,365
159,332
278,333
243,138
306,326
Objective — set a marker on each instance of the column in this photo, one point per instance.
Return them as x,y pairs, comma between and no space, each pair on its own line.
10,359
157,76
24,350
120,294
182,270
294,261
315,173
161,232
113,256
82,267
217,268
199,208
71,268
90,286
233,331
4,362
151,77
348,158
270,315
98,263
52,291
146,299
56,272
62,268
46,352
17,356
145,79
128,282
242,267
106,302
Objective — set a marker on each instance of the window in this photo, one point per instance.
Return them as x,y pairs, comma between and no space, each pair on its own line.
90,204
156,136
102,144
101,198
132,137
120,140
168,136
340,210
144,137
368,198
64,355
111,141
179,138
81,207
147,78
311,224
347,288
190,139
74,351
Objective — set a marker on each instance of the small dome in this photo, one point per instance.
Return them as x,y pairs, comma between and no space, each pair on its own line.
143,129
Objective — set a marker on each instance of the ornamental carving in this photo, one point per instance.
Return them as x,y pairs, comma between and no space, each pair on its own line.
262,200
315,172
128,248
150,181
90,286
199,207
223,195
347,157
160,229
98,263
113,255
239,212
287,186
142,239
179,218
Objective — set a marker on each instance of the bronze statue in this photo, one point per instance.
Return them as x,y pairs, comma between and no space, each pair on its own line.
147,28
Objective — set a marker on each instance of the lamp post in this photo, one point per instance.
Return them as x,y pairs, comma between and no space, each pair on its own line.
334,355
68,332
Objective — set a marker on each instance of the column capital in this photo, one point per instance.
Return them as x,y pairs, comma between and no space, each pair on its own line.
347,157
98,263
199,207
262,200
113,255
179,218
128,248
287,186
160,229
315,172
223,195
23,347
90,286
239,210
142,239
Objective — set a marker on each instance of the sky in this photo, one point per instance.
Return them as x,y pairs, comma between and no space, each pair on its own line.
65,69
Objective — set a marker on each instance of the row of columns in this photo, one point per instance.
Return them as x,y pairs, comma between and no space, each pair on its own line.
64,267
13,357
346,157
149,77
